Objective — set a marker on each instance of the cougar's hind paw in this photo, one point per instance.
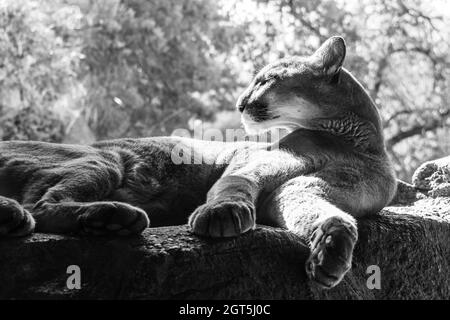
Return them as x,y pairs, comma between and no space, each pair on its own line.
332,246
223,218
15,221
113,219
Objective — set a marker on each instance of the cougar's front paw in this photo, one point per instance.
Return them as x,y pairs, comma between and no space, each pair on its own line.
332,244
113,218
223,218
15,221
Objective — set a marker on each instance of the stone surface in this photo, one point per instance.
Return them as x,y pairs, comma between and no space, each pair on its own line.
409,241
433,177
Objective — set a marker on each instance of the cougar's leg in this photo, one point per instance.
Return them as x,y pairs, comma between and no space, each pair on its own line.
230,207
306,206
75,205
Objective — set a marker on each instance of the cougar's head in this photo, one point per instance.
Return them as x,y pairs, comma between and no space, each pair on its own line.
292,93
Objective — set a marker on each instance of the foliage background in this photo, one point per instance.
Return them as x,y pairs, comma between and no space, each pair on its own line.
77,71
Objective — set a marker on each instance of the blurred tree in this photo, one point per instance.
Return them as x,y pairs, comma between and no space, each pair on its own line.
152,65
35,70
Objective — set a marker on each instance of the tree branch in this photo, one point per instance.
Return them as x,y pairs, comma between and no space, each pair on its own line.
416,130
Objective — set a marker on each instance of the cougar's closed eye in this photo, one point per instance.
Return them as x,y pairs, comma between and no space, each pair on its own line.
268,78
263,81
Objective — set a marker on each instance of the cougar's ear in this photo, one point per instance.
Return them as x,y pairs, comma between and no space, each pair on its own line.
328,59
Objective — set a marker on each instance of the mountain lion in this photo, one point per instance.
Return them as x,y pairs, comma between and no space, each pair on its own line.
333,160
